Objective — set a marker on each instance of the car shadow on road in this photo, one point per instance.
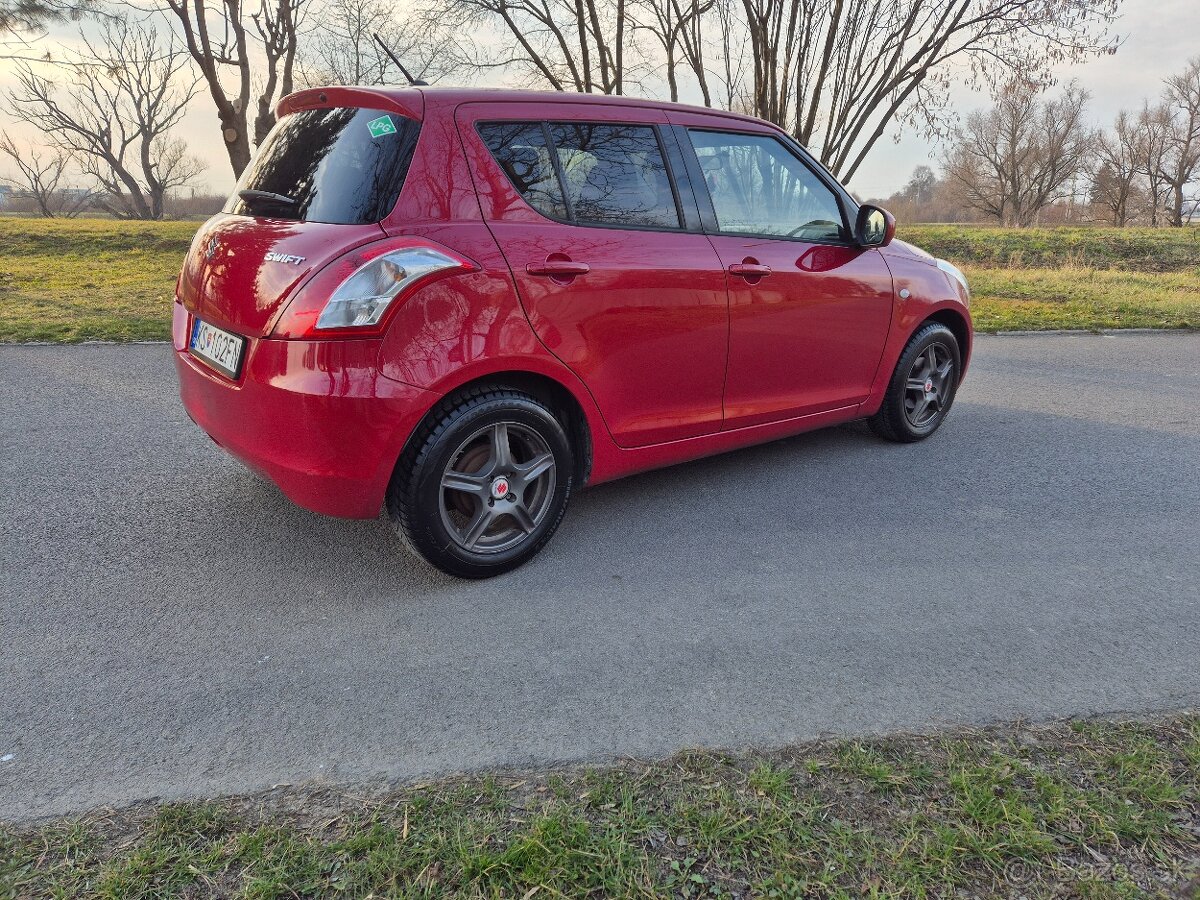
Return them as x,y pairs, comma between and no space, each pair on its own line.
994,482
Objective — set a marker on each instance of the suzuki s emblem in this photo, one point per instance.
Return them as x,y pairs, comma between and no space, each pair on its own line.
211,250
283,258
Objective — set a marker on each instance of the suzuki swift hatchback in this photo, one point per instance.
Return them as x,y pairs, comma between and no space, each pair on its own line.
464,304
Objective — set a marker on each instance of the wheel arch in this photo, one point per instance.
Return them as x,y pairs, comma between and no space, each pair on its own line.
959,327
544,388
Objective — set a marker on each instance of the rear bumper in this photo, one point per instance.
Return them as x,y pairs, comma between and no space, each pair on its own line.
315,417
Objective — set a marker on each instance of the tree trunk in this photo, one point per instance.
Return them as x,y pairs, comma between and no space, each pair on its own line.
1177,205
236,133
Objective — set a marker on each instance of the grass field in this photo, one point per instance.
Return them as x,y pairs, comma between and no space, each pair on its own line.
88,279
1088,810
103,280
1085,278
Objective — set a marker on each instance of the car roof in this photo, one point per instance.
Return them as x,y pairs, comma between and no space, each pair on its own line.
457,95
415,98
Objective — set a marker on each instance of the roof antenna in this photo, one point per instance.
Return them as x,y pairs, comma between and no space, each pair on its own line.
415,82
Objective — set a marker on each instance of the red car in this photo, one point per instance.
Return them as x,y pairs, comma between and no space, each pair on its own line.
463,305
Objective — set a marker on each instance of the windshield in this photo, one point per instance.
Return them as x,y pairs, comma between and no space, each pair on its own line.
344,165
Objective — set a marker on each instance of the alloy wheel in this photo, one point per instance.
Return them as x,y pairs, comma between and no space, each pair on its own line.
497,487
930,385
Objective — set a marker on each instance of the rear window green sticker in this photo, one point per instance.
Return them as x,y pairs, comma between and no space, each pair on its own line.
381,126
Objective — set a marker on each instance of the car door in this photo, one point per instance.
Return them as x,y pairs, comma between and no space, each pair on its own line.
809,310
614,272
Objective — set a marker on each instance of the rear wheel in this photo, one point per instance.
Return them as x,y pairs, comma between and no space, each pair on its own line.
922,388
484,484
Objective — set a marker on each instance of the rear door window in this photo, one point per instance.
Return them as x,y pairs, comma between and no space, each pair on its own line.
597,174
615,175
344,165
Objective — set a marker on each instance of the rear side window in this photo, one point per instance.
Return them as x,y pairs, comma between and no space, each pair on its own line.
520,149
343,165
599,174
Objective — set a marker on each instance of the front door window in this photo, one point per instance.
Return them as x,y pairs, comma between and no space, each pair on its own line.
759,187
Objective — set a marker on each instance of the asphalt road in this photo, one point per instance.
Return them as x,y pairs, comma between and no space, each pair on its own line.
1040,556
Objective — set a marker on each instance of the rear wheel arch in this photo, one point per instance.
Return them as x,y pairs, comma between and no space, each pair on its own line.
554,394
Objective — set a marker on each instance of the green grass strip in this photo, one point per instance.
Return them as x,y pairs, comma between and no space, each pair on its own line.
1089,809
96,279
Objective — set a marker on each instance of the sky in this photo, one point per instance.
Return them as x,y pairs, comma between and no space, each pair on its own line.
1158,38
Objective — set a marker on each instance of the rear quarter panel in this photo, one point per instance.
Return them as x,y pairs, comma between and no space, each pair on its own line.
471,327
465,322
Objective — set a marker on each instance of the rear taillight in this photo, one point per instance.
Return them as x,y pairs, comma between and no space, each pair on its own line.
356,294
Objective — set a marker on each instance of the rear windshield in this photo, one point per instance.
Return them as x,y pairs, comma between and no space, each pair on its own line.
344,165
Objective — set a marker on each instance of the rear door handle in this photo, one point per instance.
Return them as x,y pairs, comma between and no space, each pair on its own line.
749,270
558,268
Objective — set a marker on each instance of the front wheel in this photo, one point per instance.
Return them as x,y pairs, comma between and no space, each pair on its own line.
485,483
922,388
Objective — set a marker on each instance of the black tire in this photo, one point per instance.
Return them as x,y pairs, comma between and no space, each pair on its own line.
902,417
443,499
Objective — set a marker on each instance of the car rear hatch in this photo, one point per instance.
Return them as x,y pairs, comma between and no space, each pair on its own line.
319,186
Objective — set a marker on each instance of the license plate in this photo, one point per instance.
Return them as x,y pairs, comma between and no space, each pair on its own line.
217,347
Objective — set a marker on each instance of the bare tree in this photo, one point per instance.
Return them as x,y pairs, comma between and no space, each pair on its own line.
840,72
1015,159
927,198
836,73
254,50
1116,181
733,44
41,177
567,45
675,26
920,187
1181,160
1154,127
126,93
345,51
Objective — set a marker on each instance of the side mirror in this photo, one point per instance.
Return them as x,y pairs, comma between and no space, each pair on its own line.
875,227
